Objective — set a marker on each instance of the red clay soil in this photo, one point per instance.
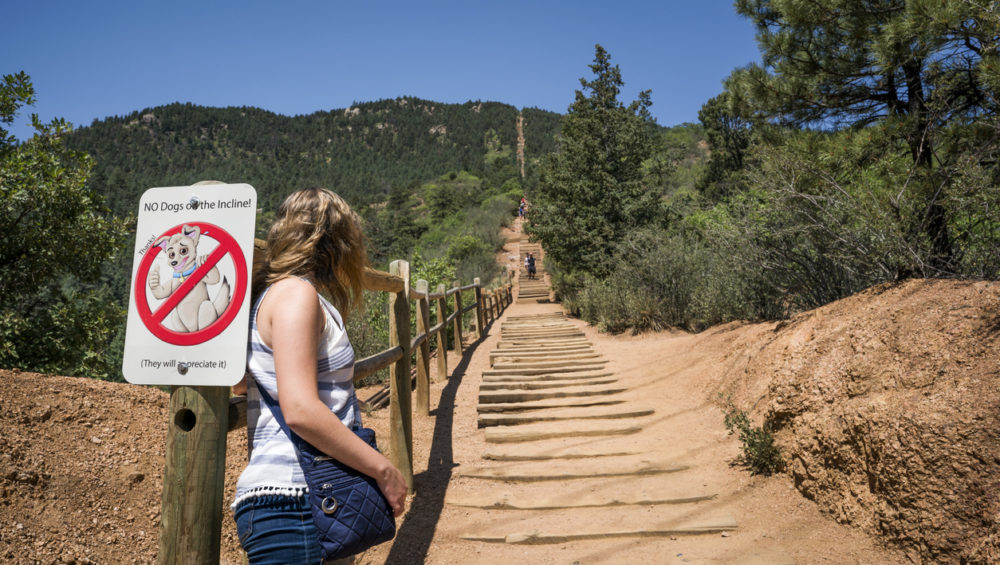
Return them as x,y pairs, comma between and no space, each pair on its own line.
886,406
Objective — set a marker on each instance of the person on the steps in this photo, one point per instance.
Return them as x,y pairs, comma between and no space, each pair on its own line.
529,261
299,352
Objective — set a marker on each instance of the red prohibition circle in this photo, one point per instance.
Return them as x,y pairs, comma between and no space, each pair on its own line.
153,320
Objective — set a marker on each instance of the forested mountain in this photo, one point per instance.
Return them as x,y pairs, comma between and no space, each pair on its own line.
433,183
361,151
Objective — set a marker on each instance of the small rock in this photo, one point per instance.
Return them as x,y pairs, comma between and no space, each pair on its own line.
95,439
725,534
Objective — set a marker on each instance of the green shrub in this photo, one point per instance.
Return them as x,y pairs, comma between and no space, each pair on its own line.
760,454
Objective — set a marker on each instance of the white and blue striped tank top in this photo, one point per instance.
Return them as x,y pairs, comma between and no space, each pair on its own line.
273,468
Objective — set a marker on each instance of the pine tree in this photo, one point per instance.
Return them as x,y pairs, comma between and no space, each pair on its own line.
590,192
915,65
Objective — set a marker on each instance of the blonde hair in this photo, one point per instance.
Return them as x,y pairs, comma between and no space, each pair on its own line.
318,237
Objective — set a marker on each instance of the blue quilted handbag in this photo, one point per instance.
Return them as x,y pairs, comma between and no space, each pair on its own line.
350,512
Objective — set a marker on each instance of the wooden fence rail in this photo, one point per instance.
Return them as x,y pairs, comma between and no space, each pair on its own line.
488,306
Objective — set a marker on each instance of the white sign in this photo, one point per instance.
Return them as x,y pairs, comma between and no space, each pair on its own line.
189,301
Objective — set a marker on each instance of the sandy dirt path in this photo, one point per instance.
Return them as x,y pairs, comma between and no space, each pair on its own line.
673,372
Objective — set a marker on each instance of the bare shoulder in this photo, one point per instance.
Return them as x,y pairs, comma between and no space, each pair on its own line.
293,289
290,300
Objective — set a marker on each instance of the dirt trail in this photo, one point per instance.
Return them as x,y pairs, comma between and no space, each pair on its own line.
680,455
81,461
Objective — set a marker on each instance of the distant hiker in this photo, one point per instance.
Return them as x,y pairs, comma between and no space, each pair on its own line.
520,210
529,261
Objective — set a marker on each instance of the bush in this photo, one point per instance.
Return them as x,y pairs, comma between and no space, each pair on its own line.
760,454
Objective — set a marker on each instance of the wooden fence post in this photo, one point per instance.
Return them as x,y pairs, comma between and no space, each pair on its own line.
479,308
423,351
442,337
195,475
400,412
458,318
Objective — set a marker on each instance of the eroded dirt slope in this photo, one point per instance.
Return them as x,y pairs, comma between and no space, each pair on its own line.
887,405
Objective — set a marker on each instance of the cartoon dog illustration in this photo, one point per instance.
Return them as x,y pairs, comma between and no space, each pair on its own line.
195,311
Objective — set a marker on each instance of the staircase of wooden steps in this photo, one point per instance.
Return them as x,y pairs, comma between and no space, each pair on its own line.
564,466
537,288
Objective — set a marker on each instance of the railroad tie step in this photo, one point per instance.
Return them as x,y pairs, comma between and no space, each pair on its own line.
718,525
544,430
567,470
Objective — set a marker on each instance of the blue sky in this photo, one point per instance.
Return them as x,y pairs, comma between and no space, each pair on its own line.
90,60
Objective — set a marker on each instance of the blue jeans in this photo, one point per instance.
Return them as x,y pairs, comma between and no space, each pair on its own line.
278,530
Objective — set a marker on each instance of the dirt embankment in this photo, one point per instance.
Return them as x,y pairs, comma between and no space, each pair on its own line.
886,404
887,407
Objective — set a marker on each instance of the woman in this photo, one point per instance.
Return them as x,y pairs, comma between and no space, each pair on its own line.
300,354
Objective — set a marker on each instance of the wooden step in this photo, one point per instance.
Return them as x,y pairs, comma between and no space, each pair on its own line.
543,385
511,501
535,432
546,377
564,414
713,526
549,403
547,453
545,357
564,365
545,371
565,470
493,396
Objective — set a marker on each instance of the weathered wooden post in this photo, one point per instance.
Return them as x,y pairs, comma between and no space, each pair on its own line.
423,351
458,317
195,475
400,412
442,337
479,308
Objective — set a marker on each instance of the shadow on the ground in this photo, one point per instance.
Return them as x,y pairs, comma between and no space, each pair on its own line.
413,538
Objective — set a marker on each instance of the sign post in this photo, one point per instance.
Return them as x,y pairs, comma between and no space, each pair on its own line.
187,328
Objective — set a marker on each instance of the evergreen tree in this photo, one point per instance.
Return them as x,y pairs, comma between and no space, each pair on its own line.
728,135
590,193
914,65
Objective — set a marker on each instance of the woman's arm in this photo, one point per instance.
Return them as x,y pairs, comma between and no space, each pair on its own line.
291,320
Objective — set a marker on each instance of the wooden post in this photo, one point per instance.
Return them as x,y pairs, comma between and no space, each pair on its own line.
194,479
479,308
423,351
442,337
458,318
491,305
496,303
400,412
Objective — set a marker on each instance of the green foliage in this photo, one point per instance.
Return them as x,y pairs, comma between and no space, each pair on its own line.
369,332
900,179
729,136
54,237
760,454
590,192
916,66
